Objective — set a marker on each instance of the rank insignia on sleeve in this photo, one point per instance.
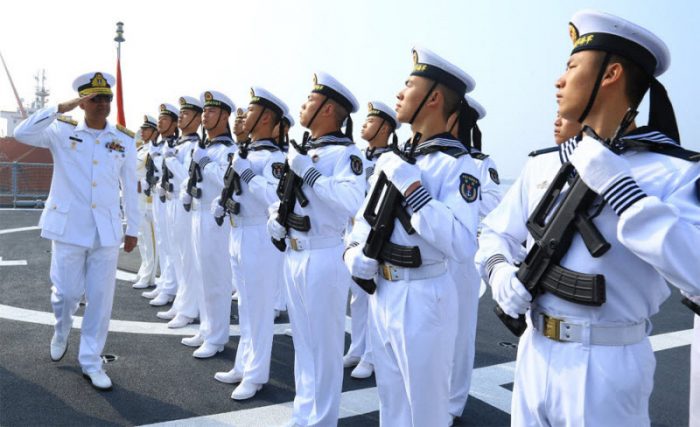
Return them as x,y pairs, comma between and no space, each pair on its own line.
356,165
369,171
468,187
277,170
493,173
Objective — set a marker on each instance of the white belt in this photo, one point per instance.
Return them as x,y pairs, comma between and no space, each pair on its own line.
393,273
245,221
610,335
313,243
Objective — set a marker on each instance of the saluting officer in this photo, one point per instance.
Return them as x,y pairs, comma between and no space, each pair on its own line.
255,262
210,240
185,308
593,365
93,160
379,125
414,308
147,240
317,282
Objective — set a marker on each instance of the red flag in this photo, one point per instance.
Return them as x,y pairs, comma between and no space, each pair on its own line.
120,102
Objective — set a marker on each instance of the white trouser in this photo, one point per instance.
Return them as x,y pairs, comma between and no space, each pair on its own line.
147,247
573,384
695,375
189,278
77,270
257,265
317,292
467,283
166,282
210,249
280,293
359,307
412,336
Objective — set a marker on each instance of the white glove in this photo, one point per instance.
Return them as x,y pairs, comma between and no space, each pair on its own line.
275,229
359,264
169,152
695,299
597,165
299,163
144,185
273,209
507,290
402,174
198,155
216,209
161,191
185,198
240,164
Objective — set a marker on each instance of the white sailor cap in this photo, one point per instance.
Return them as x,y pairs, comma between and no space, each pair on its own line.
327,85
594,30
380,109
263,97
190,103
149,122
94,82
169,110
213,98
430,65
289,119
480,110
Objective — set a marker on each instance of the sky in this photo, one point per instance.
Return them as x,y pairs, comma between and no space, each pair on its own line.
515,50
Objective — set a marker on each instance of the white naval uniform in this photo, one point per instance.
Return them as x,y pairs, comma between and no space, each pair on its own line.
188,295
211,243
413,321
694,416
359,300
255,262
317,281
82,217
147,237
579,383
164,220
468,281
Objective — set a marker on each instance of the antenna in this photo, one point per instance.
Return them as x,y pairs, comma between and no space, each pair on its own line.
14,89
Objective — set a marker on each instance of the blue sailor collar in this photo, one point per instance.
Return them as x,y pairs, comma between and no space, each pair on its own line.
221,139
188,138
443,142
567,148
375,153
263,144
333,138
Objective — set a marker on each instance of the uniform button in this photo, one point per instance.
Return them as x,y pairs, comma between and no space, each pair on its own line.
53,207
94,184
97,141
94,206
94,162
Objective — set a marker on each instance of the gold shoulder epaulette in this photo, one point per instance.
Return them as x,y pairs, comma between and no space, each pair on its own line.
126,131
66,119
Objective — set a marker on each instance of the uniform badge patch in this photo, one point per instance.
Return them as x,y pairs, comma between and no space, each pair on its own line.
356,165
468,187
277,170
493,173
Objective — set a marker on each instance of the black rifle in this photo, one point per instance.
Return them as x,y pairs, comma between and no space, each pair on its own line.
151,178
232,185
195,176
540,271
691,305
385,205
289,191
165,183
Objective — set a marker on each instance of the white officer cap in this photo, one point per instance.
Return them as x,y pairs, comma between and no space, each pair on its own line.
480,110
327,85
594,30
213,98
431,66
94,82
149,122
261,96
169,110
190,103
288,117
380,109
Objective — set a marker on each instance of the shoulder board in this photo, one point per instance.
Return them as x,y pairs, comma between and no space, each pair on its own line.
66,119
125,131
450,151
478,156
544,151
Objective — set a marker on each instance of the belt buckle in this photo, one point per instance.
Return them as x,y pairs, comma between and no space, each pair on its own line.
294,243
389,273
551,327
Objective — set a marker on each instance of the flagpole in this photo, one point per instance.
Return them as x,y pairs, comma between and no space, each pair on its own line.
120,101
